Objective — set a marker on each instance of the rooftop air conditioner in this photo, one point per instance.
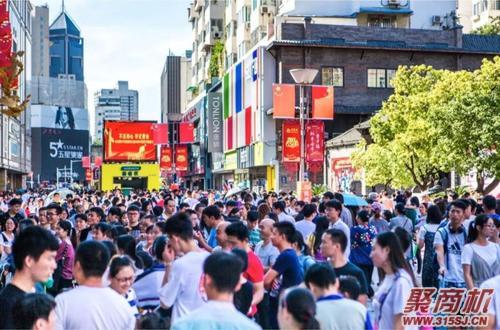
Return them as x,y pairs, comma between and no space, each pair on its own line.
394,2
436,20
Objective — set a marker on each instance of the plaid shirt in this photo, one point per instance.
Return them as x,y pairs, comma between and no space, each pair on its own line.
254,237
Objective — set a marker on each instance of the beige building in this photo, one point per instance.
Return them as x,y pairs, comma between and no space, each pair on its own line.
475,13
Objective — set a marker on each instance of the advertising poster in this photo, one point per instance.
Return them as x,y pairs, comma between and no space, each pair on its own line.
126,141
291,141
59,117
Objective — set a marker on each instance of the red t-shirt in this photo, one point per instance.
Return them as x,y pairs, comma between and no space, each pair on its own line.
254,273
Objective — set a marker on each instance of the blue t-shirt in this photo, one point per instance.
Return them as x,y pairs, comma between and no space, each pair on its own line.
288,266
212,238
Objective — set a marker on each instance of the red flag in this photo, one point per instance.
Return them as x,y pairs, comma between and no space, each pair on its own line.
186,133
160,133
322,102
86,162
291,141
97,161
181,158
283,101
166,158
248,126
315,141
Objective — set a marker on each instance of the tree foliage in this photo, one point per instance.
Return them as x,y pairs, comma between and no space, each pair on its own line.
215,67
492,28
436,120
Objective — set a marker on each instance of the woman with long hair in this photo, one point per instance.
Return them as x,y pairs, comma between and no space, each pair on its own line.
303,251
126,246
7,235
297,310
314,240
480,258
426,242
390,299
65,256
121,277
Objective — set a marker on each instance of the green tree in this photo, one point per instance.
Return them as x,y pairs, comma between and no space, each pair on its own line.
466,109
215,67
492,28
402,126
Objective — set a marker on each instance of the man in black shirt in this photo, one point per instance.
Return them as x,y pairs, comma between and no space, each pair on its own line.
14,211
34,252
333,245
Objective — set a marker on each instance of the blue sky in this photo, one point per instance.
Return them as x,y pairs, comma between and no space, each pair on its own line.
128,40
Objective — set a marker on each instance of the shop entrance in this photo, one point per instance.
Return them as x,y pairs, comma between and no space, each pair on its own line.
131,182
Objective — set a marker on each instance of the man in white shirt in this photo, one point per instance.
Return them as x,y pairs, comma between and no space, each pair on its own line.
333,209
306,227
181,283
221,279
279,210
90,305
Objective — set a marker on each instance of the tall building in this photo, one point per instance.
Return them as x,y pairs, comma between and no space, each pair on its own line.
175,81
120,103
207,21
15,142
40,56
473,14
66,48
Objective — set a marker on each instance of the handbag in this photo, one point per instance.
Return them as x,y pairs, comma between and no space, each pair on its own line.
57,275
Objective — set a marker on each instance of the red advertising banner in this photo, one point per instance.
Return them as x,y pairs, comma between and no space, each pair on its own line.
125,141
166,158
322,102
291,141
315,141
283,101
181,158
186,132
86,162
97,161
160,133
88,175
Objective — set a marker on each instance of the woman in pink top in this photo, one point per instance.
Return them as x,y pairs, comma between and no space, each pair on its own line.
66,252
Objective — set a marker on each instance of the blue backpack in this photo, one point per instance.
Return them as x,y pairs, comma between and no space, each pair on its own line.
444,235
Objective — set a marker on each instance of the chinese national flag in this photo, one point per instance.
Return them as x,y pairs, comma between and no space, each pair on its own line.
322,102
86,162
160,133
283,101
186,133
97,161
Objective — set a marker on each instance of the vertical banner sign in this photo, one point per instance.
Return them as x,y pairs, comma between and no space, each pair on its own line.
322,102
86,162
166,158
186,133
181,158
315,141
97,161
215,124
88,175
291,141
160,133
283,101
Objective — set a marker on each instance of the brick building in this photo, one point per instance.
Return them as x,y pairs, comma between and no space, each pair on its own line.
360,62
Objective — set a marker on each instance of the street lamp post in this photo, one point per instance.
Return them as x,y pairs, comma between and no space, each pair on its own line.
303,77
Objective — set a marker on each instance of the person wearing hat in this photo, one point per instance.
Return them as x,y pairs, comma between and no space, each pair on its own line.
376,220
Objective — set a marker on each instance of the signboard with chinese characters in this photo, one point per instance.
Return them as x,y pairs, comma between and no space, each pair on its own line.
57,148
315,141
166,158
125,141
181,158
291,141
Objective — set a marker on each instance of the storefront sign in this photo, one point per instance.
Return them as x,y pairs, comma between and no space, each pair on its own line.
217,161
192,114
245,157
231,160
181,158
166,158
258,154
130,168
315,143
291,141
125,140
215,124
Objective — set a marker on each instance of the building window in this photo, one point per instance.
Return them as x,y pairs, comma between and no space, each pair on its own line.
380,78
382,21
332,76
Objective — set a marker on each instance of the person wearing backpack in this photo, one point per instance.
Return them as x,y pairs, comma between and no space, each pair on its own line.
426,236
449,243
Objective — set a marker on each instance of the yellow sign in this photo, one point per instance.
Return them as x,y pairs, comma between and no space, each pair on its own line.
231,160
258,154
129,175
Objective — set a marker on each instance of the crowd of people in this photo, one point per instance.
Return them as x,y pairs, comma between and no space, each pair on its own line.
200,260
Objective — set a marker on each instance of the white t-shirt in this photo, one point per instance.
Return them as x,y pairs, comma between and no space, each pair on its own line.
93,308
456,243
396,292
305,227
342,226
285,217
429,227
488,252
183,289
494,308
